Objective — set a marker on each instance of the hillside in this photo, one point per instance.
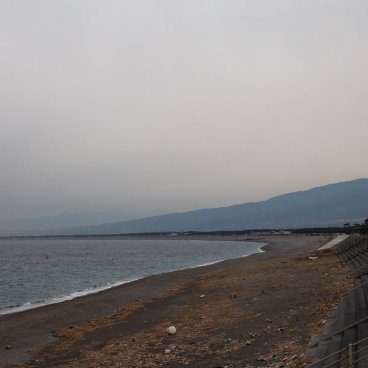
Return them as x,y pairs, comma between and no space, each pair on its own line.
329,205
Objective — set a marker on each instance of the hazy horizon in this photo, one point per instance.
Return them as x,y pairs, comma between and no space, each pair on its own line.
144,108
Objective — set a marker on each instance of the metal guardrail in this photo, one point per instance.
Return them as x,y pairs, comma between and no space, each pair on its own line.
349,355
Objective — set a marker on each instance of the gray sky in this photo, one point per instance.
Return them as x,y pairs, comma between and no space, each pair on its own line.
174,105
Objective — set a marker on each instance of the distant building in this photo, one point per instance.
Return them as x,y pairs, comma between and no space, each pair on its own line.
281,232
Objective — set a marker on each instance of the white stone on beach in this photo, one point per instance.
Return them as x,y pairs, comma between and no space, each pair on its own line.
171,330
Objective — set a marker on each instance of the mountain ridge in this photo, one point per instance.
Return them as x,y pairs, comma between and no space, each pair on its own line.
328,205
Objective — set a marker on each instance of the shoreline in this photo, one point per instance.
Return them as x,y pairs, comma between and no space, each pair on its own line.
81,293
30,332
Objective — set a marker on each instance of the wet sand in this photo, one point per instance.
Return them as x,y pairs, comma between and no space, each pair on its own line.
256,311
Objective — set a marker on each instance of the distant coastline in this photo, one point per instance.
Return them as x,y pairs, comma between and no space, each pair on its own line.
329,206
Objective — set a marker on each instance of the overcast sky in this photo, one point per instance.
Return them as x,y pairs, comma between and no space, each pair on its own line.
176,105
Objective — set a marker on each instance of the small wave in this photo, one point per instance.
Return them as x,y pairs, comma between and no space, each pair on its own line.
258,250
60,299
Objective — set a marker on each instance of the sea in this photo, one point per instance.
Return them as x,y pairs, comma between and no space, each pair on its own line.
39,271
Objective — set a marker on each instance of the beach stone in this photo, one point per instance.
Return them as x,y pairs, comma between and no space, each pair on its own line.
171,330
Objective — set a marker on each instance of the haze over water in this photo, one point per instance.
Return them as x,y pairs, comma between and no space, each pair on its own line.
133,108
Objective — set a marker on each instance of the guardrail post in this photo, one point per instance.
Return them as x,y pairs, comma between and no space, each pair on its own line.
350,356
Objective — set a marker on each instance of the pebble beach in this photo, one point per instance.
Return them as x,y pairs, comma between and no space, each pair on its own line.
258,310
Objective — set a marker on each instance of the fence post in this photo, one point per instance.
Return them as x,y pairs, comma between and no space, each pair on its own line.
350,356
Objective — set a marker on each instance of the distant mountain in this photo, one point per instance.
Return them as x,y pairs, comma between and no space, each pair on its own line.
39,225
330,205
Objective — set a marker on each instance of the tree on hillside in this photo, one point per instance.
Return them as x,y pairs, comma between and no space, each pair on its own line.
347,227
364,227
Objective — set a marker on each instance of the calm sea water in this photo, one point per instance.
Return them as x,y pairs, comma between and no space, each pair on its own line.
35,272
